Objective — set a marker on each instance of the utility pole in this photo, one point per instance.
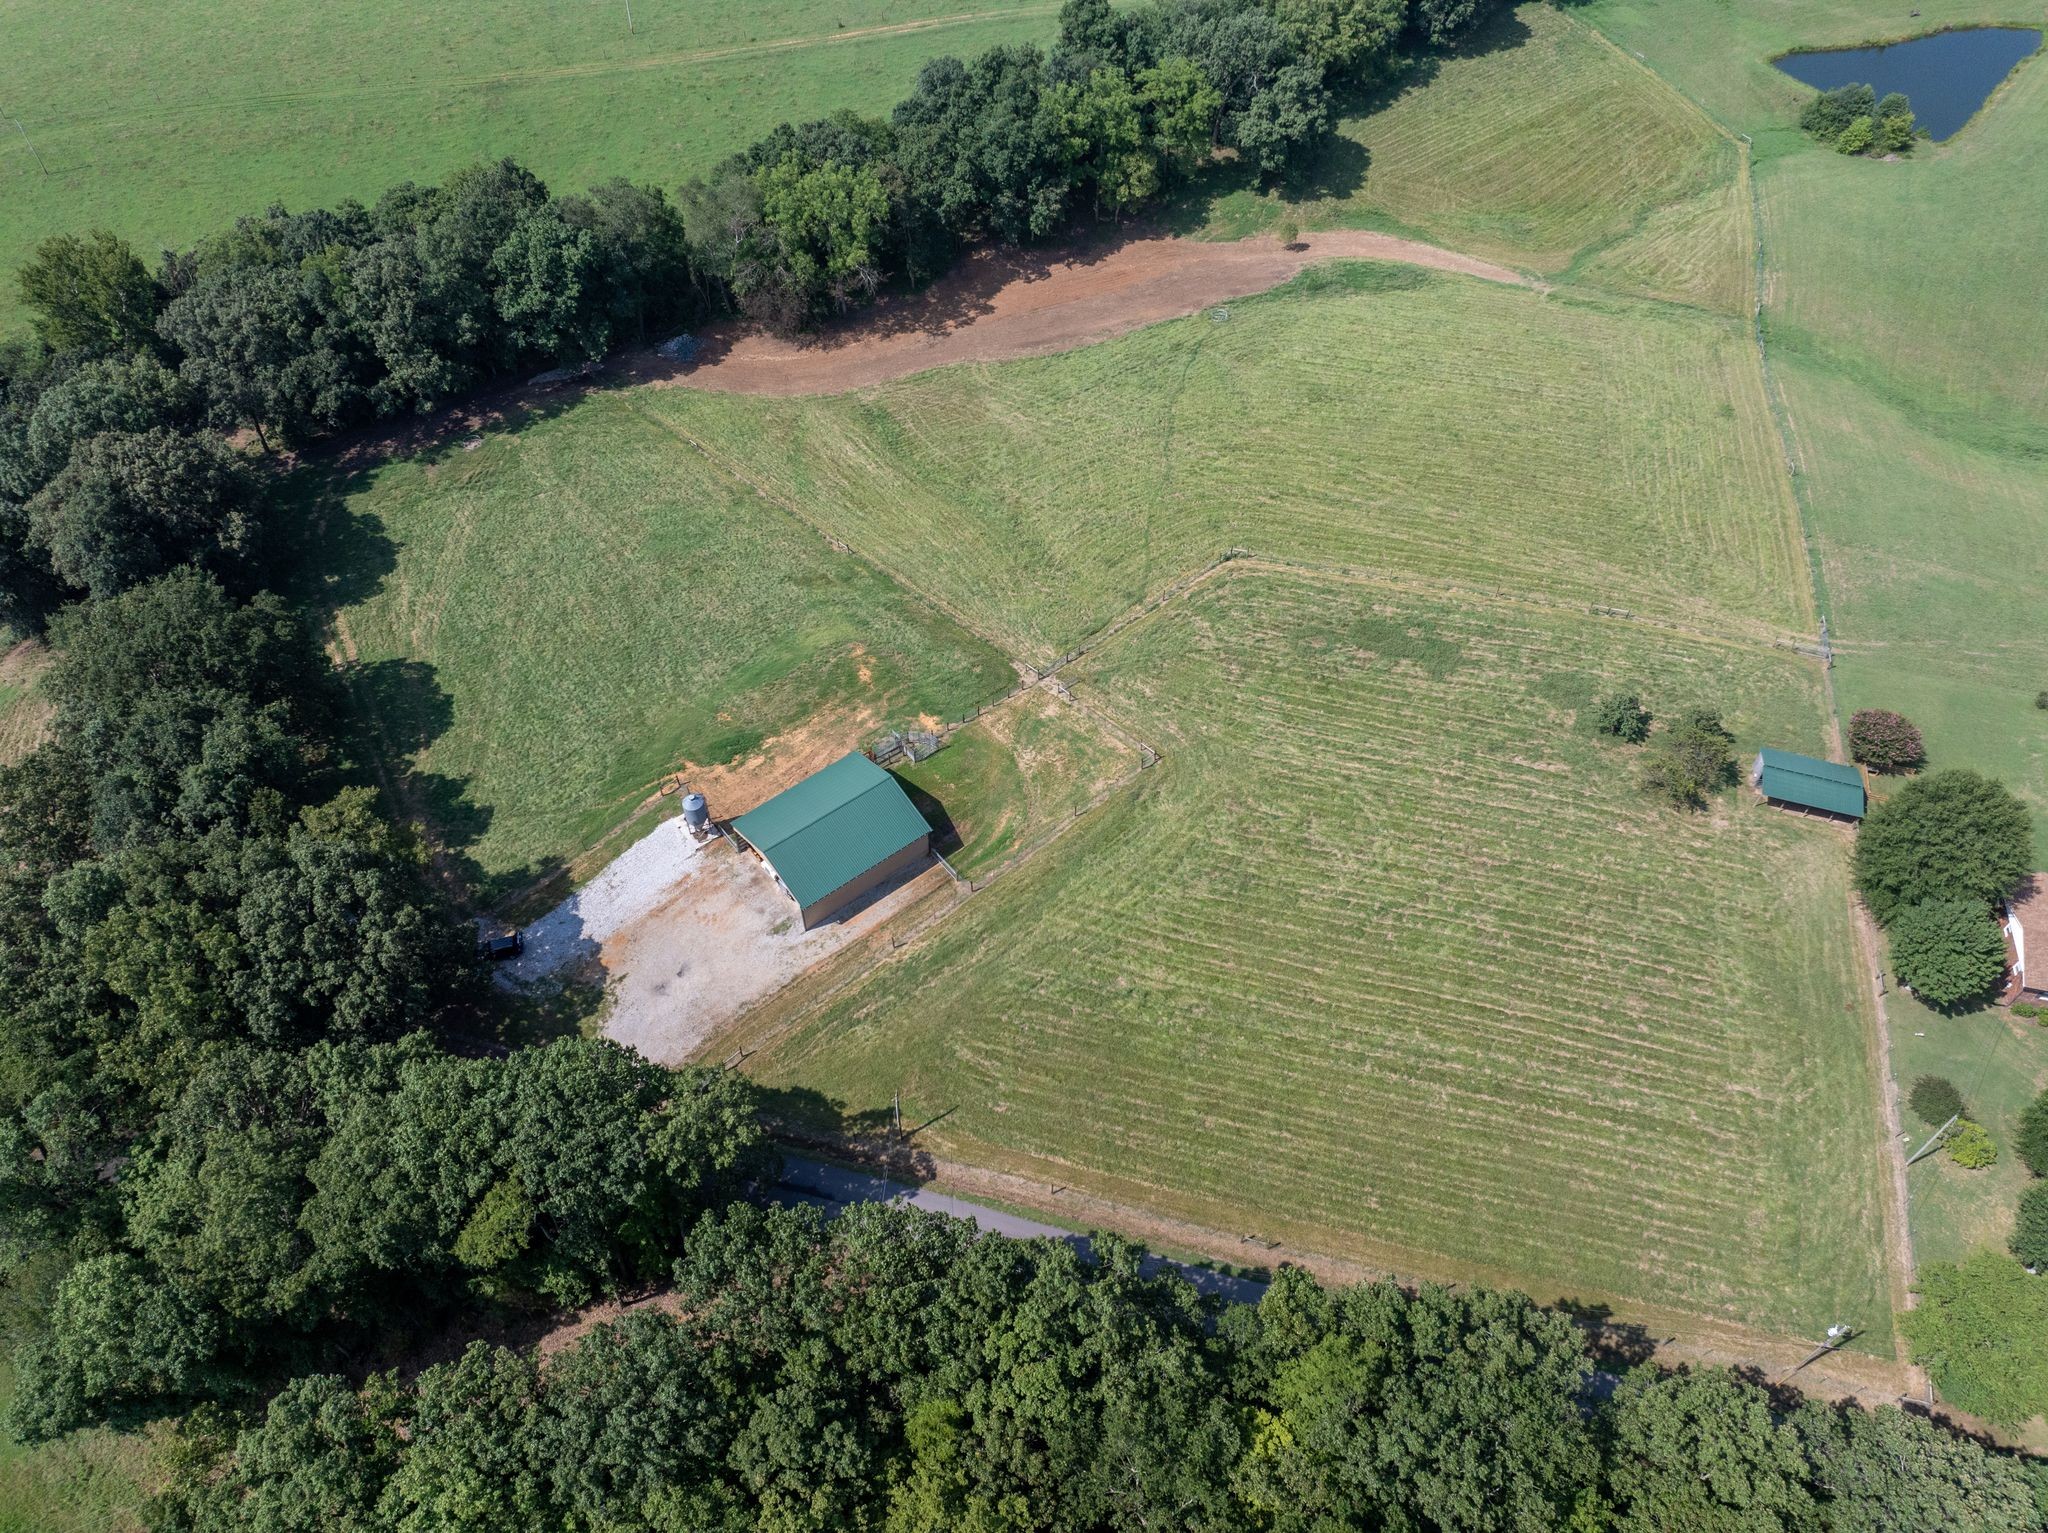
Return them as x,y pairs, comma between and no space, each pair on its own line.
1837,1335
1933,1140
896,1108
31,146
629,15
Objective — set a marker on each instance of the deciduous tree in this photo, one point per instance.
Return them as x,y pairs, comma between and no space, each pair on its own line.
1950,835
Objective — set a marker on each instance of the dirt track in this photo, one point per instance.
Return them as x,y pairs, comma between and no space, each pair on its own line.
997,305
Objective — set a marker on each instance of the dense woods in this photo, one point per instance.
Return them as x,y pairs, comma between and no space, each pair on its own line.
894,1371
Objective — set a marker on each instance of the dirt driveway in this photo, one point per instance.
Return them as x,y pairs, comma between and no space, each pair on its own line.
687,936
996,305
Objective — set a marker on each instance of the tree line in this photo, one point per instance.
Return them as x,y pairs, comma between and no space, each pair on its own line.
895,1371
236,1139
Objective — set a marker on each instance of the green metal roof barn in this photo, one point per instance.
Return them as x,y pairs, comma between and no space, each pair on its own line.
837,834
1832,787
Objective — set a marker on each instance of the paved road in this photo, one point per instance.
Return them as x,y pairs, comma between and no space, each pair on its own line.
834,1187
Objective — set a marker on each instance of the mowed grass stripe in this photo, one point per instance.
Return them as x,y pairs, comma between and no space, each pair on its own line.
1435,428
1536,140
1390,948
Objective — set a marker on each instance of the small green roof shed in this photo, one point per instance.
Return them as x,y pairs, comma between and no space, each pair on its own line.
837,834
1833,787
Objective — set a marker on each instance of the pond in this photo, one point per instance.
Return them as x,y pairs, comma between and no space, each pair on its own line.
1946,75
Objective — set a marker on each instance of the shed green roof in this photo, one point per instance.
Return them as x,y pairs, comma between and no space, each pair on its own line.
1829,785
832,827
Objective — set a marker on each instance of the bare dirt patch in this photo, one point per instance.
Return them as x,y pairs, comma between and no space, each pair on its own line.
994,305
1000,305
782,761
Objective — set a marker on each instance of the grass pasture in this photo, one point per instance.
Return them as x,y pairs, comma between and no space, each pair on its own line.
1999,1062
1536,143
544,626
1373,797
1307,979
1440,429
1016,775
164,121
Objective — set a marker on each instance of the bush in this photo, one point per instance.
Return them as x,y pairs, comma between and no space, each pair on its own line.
1951,835
2041,699
2025,1009
1884,741
2032,1139
2030,1227
1622,715
1857,137
1691,759
1949,951
1969,1146
1827,115
1934,1100
1978,1331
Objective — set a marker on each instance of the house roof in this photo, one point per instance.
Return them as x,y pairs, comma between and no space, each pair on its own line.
832,827
1829,785
2030,911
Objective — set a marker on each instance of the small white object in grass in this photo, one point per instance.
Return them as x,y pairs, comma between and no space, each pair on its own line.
1919,1035
473,444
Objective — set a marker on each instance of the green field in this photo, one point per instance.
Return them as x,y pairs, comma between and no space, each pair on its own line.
1304,975
1017,776
1540,144
544,626
1999,1062
1907,334
1309,979
89,1482
1590,452
165,121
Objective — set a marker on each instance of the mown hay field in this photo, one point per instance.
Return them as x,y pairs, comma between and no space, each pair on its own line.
1600,452
1390,959
1537,142
1906,331
542,627
164,121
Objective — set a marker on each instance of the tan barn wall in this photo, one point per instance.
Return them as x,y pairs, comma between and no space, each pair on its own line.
853,889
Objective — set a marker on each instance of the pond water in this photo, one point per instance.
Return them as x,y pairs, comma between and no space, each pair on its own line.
1946,75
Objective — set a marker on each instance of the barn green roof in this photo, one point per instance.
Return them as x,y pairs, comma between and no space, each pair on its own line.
1794,779
832,827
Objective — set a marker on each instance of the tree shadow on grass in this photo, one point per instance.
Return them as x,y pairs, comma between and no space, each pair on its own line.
1616,1344
803,1115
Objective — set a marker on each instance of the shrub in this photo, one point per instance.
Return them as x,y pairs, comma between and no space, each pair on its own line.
1978,1331
1950,835
1934,1100
1895,134
2041,699
1969,1146
1622,715
1884,741
2032,1139
1949,951
1829,113
1692,758
2025,1009
2030,1227
1857,137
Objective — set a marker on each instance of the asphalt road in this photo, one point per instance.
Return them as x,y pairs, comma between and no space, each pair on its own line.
835,1187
